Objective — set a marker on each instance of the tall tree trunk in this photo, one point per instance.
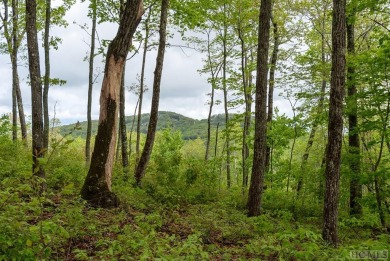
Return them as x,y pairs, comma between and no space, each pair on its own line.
122,124
272,70
319,108
14,112
90,83
225,98
335,126
216,141
132,128
36,88
246,75
147,151
142,86
46,85
260,142
97,185
355,194
214,72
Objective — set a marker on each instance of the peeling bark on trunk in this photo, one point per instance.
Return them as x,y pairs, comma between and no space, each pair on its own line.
260,142
97,185
36,88
147,151
335,126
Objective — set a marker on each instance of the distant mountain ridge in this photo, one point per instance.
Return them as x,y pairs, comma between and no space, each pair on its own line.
190,128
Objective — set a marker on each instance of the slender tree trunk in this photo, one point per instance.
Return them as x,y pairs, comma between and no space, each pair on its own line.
14,112
36,88
260,142
216,141
97,185
335,126
46,84
319,109
214,73
142,86
90,83
353,136
225,98
245,74
272,70
147,151
122,124
132,128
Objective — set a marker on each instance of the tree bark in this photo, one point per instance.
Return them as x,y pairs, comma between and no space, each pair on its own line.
260,142
122,124
16,39
214,72
355,187
246,83
97,185
142,86
225,98
46,84
335,126
90,84
270,113
36,88
147,151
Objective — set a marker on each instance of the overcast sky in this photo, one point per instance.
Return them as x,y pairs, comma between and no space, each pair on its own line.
183,89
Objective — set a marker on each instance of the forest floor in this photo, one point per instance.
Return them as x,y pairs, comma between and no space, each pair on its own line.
60,226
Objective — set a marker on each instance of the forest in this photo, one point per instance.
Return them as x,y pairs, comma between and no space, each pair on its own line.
252,183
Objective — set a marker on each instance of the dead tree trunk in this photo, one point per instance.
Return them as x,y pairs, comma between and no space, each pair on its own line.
97,185
147,151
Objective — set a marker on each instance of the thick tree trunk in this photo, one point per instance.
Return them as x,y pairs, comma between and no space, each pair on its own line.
142,86
90,84
353,135
36,88
147,151
260,142
272,70
46,84
335,126
97,185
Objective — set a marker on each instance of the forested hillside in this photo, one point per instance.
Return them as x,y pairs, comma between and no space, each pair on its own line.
190,128
291,163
